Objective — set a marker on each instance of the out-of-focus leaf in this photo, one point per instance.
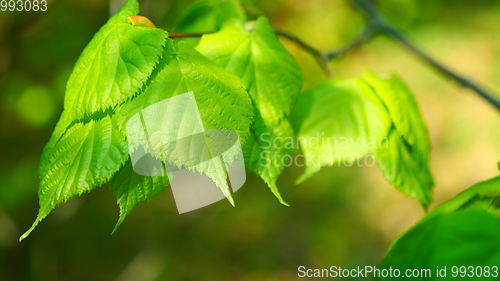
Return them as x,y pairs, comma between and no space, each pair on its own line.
460,232
209,15
404,112
404,13
132,189
404,157
403,170
251,8
462,238
273,79
484,195
86,157
339,121
345,120
19,182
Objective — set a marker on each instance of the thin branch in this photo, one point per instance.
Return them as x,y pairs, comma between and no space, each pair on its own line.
460,79
365,36
376,19
320,57
323,58
377,24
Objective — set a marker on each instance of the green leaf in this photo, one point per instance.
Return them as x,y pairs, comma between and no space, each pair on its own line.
404,158
461,231
268,150
403,168
58,132
86,157
403,110
484,195
131,189
221,99
273,79
86,148
271,75
251,9
339,121
466,237
114,65
209,15
112,69
345,120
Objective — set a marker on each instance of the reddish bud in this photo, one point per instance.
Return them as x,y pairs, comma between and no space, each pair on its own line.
141,21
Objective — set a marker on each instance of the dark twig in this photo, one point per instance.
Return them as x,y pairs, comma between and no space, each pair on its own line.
460,79
320,57
365,36
376,25
375,19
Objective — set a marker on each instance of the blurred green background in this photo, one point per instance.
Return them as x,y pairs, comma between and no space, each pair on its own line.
342,216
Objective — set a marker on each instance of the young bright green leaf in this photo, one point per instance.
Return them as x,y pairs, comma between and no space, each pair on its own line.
462,238
114,65
209,15
404,112
404,168
86,157
269,149
484,195
272,76
267,152
273,79
345,120
132,189
58,132
221,99
404,158
83,154
339,121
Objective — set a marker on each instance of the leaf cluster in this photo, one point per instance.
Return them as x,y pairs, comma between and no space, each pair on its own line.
244,80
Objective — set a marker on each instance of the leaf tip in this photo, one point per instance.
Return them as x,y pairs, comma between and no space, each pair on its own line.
231,200
306,175
117,225
277,194
28,232
426,204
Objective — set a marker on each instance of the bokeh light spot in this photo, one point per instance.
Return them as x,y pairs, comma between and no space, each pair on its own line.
36,106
